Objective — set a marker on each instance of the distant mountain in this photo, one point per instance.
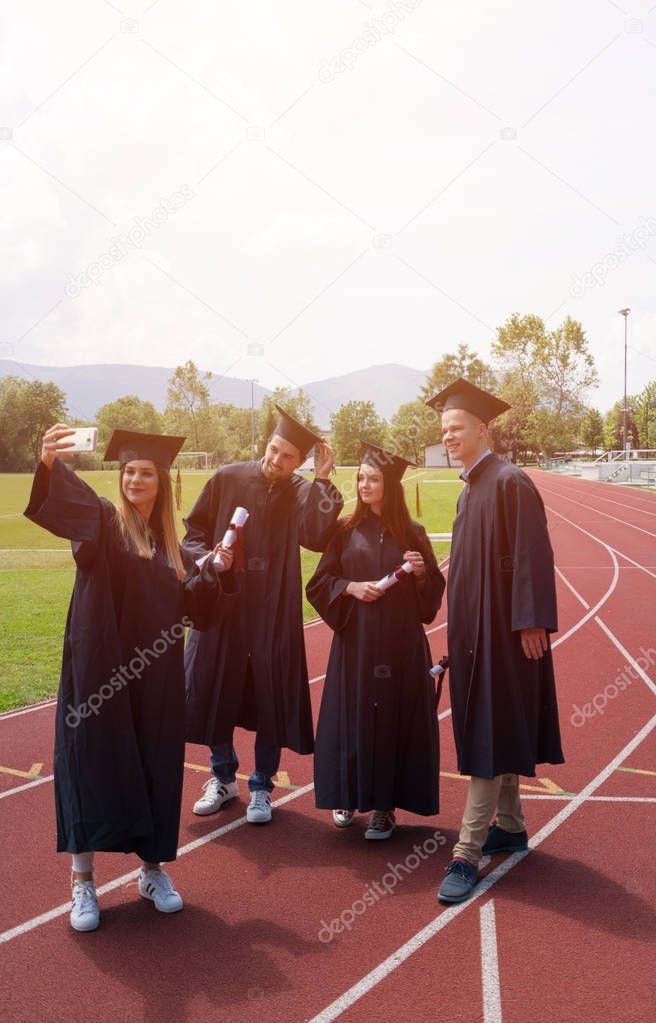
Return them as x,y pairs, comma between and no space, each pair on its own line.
89,387
388,386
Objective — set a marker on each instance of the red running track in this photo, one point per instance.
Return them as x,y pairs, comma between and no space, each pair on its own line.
565,932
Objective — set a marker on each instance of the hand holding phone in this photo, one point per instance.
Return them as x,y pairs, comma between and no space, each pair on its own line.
61,440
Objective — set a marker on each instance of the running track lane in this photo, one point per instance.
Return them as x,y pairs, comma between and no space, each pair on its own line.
249,942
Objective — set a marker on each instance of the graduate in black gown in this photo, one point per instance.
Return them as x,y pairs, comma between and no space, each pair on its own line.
250,670
377,741
501,612
119,728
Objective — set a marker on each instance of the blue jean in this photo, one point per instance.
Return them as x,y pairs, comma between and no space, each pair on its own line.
224,764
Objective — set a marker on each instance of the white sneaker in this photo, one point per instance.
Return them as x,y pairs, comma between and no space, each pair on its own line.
259,808
157,886
343,818
85,915
216,794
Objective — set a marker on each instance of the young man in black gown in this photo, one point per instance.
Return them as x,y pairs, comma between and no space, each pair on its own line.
501,597
250,670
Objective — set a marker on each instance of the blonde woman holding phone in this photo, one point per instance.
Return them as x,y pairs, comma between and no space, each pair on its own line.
119,732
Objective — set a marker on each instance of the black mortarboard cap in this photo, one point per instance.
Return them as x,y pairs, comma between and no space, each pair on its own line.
290,429
462,394
388,463
130,445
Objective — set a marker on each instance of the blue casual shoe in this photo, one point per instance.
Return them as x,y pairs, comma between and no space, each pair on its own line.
499,840
460,880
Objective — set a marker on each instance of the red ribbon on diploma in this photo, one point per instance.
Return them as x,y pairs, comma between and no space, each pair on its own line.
238,548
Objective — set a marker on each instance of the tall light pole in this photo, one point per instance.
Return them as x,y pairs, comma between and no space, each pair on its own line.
625,314
253,451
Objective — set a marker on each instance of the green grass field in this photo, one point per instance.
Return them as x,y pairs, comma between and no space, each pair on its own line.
37,571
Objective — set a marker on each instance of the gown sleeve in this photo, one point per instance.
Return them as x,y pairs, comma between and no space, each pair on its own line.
429,596
202,589
322,505
65,505
325,590
529,558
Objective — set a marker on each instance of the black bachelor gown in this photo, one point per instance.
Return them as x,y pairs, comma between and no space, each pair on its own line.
501,580
250,669
377,741
119,741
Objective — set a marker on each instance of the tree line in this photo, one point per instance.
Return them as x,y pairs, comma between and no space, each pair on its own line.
545,375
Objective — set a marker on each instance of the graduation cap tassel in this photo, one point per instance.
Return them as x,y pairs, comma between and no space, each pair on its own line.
417,501
178,490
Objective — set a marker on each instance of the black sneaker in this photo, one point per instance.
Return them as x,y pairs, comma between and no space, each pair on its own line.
460,880
499,840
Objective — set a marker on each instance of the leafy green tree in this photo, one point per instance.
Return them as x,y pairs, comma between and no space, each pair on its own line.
645,411
592,430
237,425
43,405
27,409
187,401
614,426
510,432
127,413
412,428
462,363
557,362
355,421
556,369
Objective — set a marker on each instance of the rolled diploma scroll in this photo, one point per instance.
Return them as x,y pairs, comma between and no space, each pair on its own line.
394,577
238,520
439,668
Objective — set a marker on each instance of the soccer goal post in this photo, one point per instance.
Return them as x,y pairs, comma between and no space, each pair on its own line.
190,461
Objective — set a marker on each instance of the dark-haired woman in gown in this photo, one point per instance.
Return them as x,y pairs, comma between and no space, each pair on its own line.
377,741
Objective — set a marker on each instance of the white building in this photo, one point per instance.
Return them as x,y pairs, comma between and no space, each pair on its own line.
437,458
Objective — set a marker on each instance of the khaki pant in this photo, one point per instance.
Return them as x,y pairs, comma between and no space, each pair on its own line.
486,795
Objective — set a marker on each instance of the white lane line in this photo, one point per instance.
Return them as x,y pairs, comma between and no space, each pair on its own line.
636,564
625,653
28,785
622,799
384,969
598,511
593,799
490,965
608,500
52,914
593,610
571,588
317,678
26,710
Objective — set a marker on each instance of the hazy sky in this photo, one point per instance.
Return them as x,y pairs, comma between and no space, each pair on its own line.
293,190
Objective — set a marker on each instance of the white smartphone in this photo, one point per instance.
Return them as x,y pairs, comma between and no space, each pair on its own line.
85,438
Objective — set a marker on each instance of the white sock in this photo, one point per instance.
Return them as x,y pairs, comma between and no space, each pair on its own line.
83,862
